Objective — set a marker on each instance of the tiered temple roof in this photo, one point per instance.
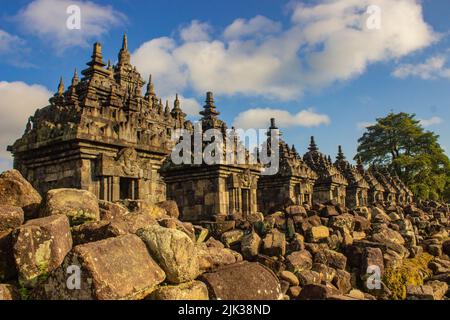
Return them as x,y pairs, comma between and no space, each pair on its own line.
291,163
376,189
354,178
327,173
105,105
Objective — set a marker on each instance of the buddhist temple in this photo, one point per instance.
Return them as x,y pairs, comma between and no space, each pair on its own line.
357,189
294,179
330,184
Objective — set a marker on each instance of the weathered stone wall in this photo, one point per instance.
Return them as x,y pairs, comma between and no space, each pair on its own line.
274,191
138,250
208,192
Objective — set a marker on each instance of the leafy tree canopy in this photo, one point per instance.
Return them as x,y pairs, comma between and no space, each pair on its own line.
399,143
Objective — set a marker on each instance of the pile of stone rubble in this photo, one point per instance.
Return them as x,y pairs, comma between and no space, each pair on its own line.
69,245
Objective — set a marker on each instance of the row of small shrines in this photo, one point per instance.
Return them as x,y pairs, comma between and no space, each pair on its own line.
103,135
202,191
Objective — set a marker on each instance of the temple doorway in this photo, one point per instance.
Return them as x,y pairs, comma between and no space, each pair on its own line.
128,188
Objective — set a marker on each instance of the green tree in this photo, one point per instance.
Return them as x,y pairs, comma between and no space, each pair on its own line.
399,143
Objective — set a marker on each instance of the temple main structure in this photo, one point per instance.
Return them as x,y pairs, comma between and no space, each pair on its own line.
103,134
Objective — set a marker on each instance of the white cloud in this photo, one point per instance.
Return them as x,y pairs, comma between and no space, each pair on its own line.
431,122
432,68
349,46
259,118
18,100
156,57
324,43
47,19
424,122
363,125
9,42
13,50
196,31
257,26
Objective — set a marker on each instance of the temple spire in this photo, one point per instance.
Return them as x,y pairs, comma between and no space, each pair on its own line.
176,111
97,56
125,42
160,106
312,145
359,162
340,155
209,108
75,78
272,124
124,54
96,65
150,87
167,109
274,127
60,87
176,103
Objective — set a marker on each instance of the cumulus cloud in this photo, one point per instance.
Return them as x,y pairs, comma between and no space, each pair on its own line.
259,117
13,49
323,43
196,31
156,57
432,68
340,27
18,100
431,122
47,19
9,42
257,26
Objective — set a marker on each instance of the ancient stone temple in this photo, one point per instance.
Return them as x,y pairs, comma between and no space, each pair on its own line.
330,184
294,179
100,134
404,195
376,190
211,192
357,189
390,192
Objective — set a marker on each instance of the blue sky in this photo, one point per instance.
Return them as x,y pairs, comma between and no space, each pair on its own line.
300,61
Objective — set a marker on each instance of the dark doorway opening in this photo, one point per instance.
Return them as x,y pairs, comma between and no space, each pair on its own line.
128,188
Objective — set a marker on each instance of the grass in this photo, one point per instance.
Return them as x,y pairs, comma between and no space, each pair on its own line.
410,272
